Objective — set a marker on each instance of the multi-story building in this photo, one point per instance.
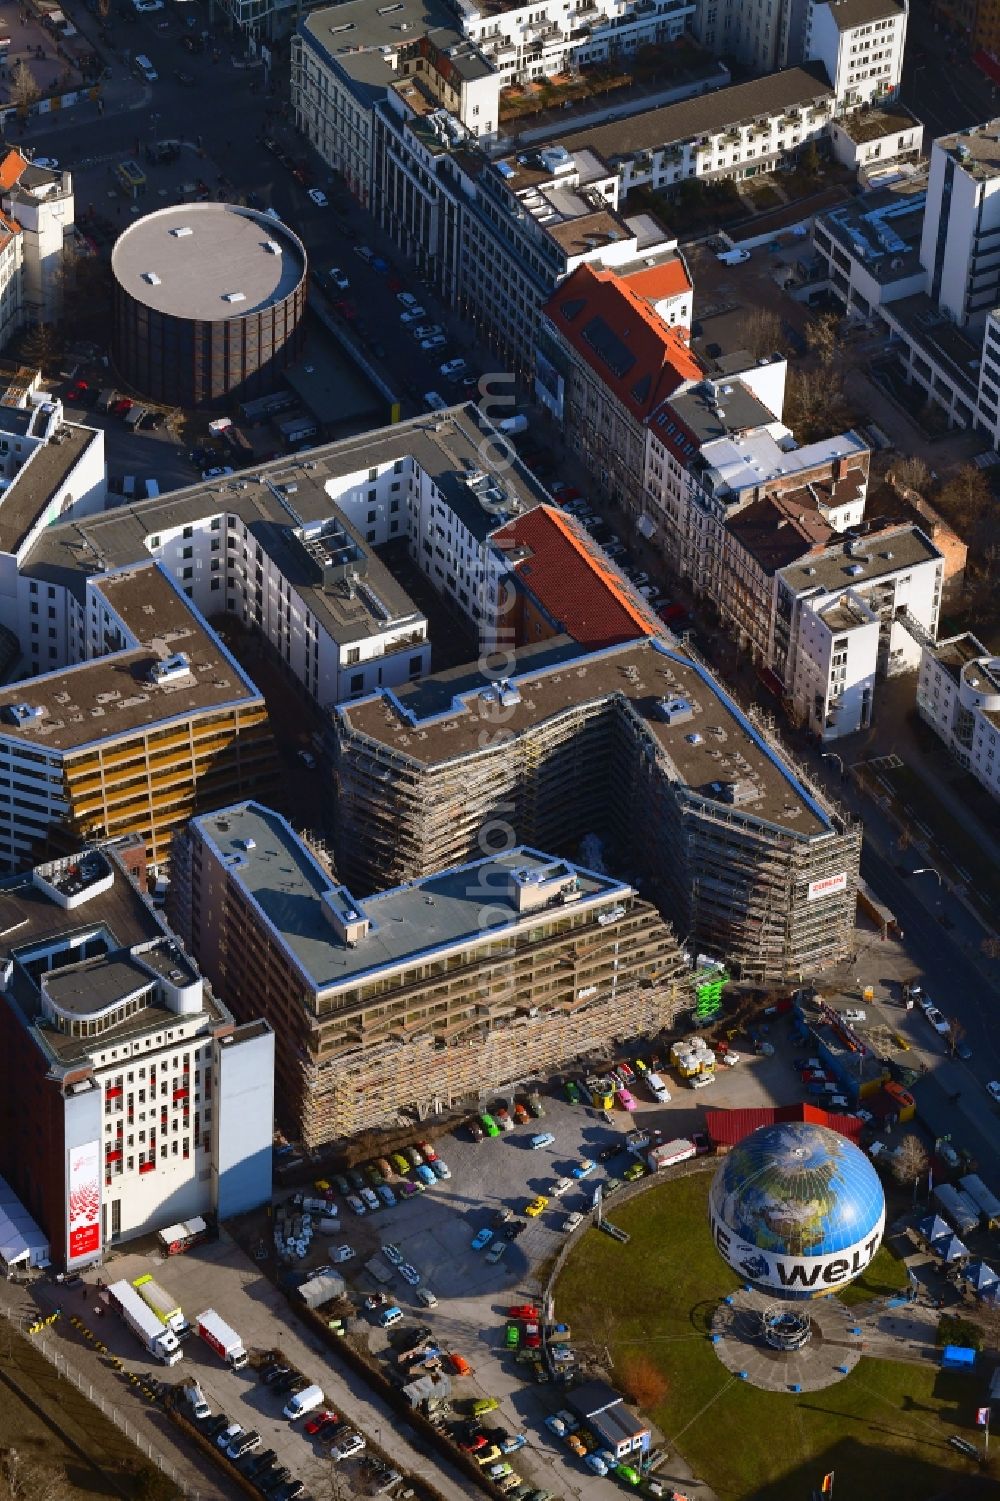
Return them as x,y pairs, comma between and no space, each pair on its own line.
141,717
346,57
860,44
958,695
536,40
424,996
921,259
850,615
38,206
635,744
132,1099
605,363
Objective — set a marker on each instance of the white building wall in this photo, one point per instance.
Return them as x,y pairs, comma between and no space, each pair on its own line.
864,62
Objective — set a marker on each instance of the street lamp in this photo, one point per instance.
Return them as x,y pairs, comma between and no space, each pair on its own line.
833,756
928,870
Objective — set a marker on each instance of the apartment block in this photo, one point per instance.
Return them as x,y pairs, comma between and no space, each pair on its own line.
605,362
424,996
920,259
146,719
636,745
132,1099
545,37
38,211
958,695
860,44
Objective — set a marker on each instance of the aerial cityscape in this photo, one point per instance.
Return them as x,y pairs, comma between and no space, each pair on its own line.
500,750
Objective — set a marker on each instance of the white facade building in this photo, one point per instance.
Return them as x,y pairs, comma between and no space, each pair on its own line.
151,1105
545,37
860,44
958,695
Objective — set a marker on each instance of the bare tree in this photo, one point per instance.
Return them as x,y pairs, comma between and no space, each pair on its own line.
40,346
966,498
910,1161
327,1481
22,87
955,1035
173,423
815,404
911,473
760,331
25,1479
823,338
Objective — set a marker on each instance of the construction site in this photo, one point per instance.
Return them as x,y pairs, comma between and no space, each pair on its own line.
637,745
426,997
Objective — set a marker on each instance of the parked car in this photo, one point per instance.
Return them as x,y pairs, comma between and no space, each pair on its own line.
370,1198
536,1207
482,1239
339,278
436,341
543,1139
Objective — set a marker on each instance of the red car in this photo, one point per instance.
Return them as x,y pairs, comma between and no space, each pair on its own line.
121,406
523,1311
346,309
429,1153
473,1445
532,1336
314,1424
78,390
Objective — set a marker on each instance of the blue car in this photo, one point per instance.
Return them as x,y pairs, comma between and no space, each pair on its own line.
513,1442
596,1463
815,1088
482,1239
440,1168
425,1175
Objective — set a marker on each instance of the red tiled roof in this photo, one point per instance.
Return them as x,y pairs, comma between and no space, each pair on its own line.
613,328
670,279
727,1127
572,583
11,167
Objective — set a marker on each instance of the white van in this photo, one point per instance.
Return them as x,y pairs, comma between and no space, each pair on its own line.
390,1316
304,1401
196,1397
145,68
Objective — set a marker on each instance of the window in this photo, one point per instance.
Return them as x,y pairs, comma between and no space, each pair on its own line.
357,682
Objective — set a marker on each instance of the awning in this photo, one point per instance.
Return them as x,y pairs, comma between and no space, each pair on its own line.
22,1243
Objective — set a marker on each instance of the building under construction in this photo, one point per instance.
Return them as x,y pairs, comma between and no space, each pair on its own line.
426,996
636,744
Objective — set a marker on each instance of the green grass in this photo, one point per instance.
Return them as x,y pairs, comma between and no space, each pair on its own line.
884,1275
886,1420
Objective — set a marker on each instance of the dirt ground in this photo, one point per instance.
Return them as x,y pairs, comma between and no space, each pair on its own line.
54,1427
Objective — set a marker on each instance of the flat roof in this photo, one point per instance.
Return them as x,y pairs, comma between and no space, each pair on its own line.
96,984
851,13
276,499
876,121
356,34
954,653
39,478
872,558
725,746
209,261
932,330
744,461
882,229
112,695
733,408
707,114
272,866
976,149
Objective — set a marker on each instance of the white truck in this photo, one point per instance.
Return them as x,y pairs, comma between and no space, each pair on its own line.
144,1324
224,1341
658,1089
166,1308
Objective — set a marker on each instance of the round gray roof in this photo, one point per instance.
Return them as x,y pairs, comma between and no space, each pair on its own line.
208,261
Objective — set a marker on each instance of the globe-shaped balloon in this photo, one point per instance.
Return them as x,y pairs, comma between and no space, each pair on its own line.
797,1210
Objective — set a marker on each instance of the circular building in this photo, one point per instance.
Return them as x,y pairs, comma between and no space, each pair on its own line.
797,1210
209,299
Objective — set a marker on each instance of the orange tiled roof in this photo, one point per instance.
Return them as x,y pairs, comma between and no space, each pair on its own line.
670,279
614,329
10,224
572,582
11,167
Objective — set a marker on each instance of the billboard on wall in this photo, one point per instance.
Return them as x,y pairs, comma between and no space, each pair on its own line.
827,886
84,1202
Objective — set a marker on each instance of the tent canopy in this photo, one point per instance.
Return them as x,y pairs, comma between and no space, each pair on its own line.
980,1276
933,1227
22,1243
950,1248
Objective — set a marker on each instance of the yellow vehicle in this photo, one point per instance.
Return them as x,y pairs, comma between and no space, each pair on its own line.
602,1093
131,178
536,1206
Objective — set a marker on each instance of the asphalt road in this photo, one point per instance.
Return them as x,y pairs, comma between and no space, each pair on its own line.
940,84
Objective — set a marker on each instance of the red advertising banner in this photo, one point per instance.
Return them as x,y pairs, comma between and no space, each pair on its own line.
84,1217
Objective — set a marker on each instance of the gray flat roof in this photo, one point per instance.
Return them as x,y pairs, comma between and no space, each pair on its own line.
707,114
725,745
878,555
931,329
359,37
37,481
287,884
96,984
446,445
202,255
735,410
851,13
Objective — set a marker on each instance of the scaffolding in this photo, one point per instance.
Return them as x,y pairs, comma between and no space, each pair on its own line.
740,887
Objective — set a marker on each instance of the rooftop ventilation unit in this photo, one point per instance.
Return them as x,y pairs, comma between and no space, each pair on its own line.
272,247
26,714
181,231
234,297
246,844
855,570
674,710
151,277
170,669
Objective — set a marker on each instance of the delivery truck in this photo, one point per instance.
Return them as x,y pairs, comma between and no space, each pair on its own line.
181,1237
143,1322
224,1341
166,1308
